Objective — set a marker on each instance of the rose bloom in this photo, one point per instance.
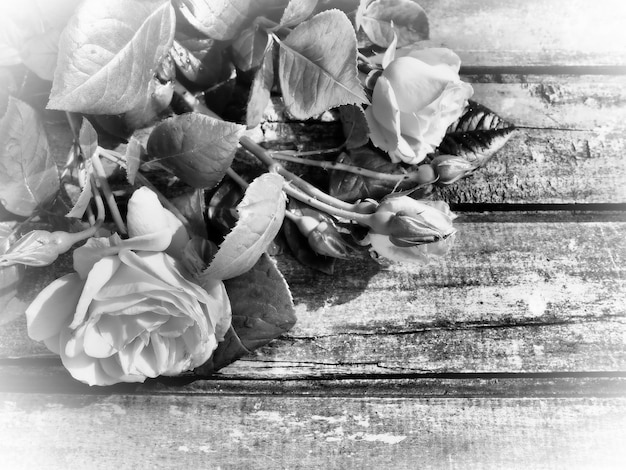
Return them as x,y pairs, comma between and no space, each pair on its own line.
131,311
417,97
408,230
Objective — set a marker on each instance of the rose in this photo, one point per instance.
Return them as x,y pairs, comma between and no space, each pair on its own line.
417,96
131,311
404,229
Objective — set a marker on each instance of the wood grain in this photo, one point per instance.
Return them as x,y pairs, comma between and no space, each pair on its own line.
530,33
308,432
516,296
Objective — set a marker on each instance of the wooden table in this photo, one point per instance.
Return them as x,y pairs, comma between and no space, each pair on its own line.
509,353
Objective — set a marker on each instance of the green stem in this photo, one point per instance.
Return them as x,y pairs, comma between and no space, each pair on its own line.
395,178
363,219
298,182
237,179
106,189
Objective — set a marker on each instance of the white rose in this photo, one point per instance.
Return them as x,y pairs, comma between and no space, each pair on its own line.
131,311
417,97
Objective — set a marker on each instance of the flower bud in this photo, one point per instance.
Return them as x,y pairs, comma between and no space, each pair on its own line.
451,168
404,229
38,248
326,240
146,216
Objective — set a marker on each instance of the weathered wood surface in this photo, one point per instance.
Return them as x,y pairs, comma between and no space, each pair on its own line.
524,296
299,432
509,353
530,33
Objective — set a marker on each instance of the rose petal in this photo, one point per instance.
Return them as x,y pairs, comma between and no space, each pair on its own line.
175,326
180,237
95,345
127,356
146,362
218,305
415,83
433,56
80,366
120,331
164,267
159,346
53,308
53,343
152,265
145,213
382,246
93,251
99,275
385,108
111,366
86,256
113,305
128,281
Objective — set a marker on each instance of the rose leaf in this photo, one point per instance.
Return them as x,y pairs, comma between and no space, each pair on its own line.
39,53
134,152
380,19
28,175
108,53
262,310
261,89
261,215
218,19
195,147
87,139
477,135
354,124
81,204
317,65
249,47
297,11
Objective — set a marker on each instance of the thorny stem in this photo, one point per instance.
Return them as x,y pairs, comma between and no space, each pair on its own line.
396,178
106,189
298,182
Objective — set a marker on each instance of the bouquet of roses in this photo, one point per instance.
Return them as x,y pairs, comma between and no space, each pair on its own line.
169,271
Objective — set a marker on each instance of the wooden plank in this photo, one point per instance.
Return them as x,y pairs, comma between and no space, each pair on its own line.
519,297
533,32
47,375
577,102
309,432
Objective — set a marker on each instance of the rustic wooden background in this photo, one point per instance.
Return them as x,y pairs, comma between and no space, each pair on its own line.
509,353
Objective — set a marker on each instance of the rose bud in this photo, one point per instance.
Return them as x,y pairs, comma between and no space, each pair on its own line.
417,97
404,229
322,235
451,168
146,216
326,240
